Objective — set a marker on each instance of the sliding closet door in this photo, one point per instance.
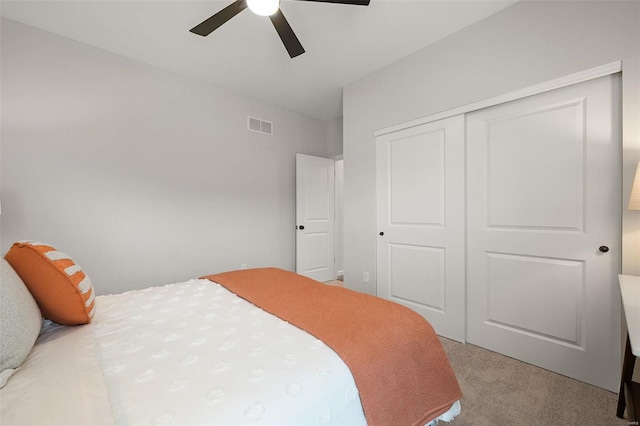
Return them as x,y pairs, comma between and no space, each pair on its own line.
544,230
421,222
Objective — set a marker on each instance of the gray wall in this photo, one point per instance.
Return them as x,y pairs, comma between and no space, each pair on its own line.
334,137
526,44
142,176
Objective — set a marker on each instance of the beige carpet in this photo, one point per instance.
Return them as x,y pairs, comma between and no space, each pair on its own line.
498,390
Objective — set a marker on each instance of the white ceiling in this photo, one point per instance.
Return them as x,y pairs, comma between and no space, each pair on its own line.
343,43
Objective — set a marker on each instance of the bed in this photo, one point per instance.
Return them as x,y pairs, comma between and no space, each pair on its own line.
260,346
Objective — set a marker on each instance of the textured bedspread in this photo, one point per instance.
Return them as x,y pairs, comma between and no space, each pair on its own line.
398,363
194,353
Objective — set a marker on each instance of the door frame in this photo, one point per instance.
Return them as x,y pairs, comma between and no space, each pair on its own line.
579,77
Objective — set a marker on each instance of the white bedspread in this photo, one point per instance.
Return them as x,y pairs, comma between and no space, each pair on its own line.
195,353
182,354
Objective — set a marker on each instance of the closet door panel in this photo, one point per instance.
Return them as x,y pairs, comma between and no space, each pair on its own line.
517,147
421,217
543,194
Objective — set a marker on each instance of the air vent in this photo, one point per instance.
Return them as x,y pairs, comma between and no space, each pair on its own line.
260,126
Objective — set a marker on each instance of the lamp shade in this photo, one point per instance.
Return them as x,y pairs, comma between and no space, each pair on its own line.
634,199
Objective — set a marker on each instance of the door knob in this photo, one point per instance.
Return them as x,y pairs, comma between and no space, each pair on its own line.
382,233
301,227
603,249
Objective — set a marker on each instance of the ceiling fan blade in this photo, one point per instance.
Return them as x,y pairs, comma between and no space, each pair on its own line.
209,25
286,34
354,2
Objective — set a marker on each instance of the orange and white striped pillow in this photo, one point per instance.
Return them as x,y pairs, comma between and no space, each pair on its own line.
64,293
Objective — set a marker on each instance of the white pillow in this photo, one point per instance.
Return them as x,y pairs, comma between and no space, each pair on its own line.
20,322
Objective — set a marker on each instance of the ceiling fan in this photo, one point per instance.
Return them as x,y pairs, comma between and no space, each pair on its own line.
270,8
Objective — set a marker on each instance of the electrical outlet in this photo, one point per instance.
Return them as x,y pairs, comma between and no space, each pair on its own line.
365,277
243,266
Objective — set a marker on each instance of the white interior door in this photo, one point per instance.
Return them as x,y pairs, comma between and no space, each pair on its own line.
420,250
315,210
543,185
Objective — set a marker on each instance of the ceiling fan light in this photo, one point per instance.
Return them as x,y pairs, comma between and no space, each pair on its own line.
264,7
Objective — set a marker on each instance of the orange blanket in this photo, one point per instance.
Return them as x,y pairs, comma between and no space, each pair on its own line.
398,363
